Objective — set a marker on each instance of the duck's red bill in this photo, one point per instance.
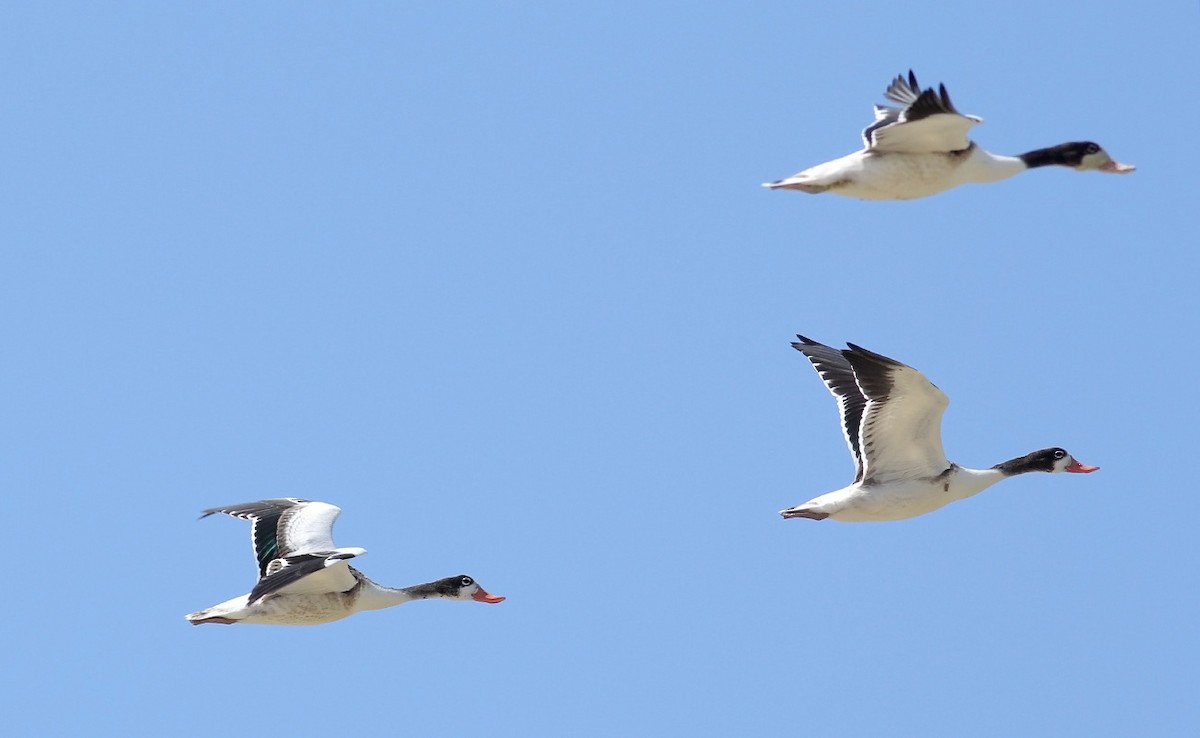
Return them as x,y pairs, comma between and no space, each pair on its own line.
1079,468
482,596
1116,167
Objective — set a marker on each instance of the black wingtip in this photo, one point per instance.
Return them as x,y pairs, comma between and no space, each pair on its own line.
857,350
945,98
803,342
912,81
854,348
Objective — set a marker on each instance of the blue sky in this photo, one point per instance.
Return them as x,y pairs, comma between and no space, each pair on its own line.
502,284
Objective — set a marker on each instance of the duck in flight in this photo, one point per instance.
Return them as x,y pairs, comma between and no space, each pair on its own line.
305,580
892,420
921,148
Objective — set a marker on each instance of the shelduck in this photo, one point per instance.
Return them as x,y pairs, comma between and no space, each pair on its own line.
921,149
304,579
891,418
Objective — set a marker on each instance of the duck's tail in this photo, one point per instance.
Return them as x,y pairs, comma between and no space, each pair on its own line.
201,617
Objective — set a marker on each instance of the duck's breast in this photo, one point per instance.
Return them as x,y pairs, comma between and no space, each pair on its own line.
302,609
900,176
896,500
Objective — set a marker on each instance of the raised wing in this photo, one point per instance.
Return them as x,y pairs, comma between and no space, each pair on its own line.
285,526
928,122
903,91
901,431
837,374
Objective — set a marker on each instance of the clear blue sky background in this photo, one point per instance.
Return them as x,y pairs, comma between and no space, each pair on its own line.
500,281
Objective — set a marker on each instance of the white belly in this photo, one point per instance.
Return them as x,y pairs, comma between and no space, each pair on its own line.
901,176
285,609
892,501
876,508
305,609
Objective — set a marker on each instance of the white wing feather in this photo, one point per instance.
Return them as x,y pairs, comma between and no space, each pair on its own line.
901,435
310,528
939,133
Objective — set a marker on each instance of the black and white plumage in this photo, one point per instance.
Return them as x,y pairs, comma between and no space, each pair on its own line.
278,529
891,417
921,148
927,120
304,579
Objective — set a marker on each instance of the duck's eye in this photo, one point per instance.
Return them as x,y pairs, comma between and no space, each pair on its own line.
1092,148
1059,454
466,581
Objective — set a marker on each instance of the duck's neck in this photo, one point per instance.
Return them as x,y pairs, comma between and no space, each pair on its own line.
1052,155
984,166
376,596
967,482
1022,465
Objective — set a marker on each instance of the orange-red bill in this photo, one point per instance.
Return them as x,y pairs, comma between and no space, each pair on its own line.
1116,167
1079,468
482,596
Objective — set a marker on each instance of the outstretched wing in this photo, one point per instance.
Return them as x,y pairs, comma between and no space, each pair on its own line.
838,376
285,526
901,431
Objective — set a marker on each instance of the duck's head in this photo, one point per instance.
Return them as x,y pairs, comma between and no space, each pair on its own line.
1056,460
463,587
1085,156
1052,460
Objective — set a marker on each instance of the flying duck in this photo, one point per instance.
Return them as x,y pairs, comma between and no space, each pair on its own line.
892,420
304,579
921,148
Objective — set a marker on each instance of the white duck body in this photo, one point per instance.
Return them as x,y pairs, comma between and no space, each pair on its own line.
891,419
279,610
922,149
314,608
903,498
305,580
869,175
